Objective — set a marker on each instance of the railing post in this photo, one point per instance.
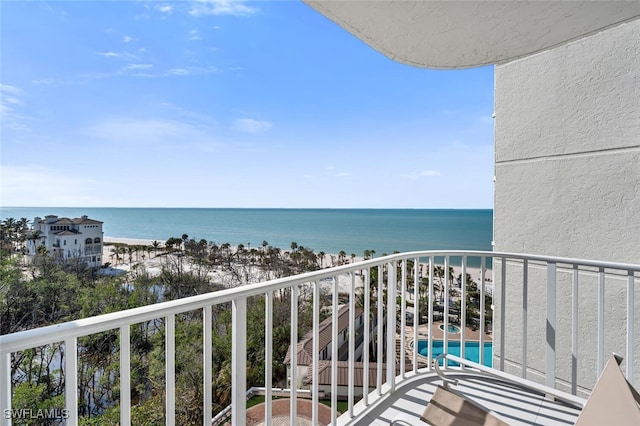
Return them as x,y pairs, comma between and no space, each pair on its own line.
525,303
550,353
334,352
315,355
403,317
503,302
416,311
293,344
352,342
268,356
5,388
482,309
445,327
71,380
207,365
630,319
463,306
239,362
380,337
367,338
600,359
430,320
574,331
125,375
391,326
170,369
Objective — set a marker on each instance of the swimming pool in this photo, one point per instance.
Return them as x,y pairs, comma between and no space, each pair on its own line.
471,350
452,329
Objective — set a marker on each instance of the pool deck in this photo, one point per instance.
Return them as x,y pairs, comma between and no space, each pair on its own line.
469,334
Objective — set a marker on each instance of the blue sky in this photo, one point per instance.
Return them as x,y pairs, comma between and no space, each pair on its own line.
229,104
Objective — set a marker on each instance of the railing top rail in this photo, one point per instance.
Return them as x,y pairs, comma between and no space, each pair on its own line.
86,326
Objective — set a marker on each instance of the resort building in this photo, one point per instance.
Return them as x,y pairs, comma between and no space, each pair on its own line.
566,258
68,239
304,347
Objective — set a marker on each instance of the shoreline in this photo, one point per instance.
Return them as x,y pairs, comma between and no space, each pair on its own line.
108,241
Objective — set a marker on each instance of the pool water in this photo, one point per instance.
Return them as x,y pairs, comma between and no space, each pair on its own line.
471,350
452,329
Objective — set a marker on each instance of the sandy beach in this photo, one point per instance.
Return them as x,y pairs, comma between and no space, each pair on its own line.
153,264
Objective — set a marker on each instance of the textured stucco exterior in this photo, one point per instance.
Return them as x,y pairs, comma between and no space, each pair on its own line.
567,135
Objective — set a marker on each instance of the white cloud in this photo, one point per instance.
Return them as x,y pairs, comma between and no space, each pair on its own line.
249,125
178,71
111,54
40,186
43,81
13,101
128,39
138,66
9,116
165,8
5,88
193,35
155,133
424,173
108,54
221,7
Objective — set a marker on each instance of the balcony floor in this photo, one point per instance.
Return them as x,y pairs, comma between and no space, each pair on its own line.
514,404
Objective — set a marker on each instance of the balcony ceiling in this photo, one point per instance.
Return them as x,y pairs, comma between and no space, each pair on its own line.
461,34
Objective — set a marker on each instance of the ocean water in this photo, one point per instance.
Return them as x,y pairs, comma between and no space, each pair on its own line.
328,230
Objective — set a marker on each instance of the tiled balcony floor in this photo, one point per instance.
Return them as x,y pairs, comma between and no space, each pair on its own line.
514,404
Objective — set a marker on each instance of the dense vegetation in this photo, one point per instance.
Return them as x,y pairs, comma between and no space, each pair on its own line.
46,292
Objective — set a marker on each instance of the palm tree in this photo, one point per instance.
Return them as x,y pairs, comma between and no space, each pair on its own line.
155,245
321,255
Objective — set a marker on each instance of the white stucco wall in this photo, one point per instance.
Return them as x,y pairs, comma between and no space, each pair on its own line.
567,171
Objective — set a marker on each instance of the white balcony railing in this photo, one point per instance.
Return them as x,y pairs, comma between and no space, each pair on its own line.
550,362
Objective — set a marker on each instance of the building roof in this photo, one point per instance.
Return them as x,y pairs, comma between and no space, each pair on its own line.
67,232
84,220
304,347
460,34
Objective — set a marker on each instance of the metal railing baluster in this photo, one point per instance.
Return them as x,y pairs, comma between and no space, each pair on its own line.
391,325
503,295
630,331
352,342
125,379
293,344
71,380
525,300
403,316
315,354
170,369
239,361
334,353
416,311
600,360
5,391
550,352
482,309
574,330
367,338
268,357
463,306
